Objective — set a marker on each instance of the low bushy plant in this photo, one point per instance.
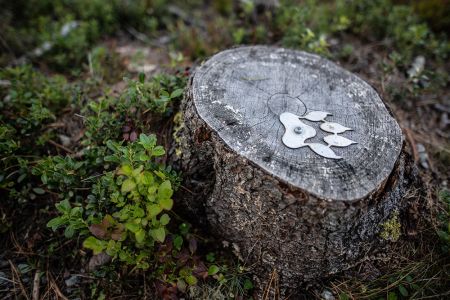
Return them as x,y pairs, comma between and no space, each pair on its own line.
125,211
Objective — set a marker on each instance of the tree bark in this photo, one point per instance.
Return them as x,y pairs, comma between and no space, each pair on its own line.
301,212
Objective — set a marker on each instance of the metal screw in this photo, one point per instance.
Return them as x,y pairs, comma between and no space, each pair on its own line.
298,130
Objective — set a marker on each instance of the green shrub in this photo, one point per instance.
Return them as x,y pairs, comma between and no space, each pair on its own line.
30,101
110,117
381,19
124,212
444,218
64,31
292,22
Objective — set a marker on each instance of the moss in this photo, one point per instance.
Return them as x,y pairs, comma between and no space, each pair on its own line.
178,125
391,228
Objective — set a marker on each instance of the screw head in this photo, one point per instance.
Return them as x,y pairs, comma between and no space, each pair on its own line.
298,130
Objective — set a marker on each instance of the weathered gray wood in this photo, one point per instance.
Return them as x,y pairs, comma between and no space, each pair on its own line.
241,92
289,210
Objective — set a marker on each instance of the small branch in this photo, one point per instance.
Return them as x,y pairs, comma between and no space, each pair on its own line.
36,284
19,281
186,189
56,289
61,146
273,280
79,116
56,125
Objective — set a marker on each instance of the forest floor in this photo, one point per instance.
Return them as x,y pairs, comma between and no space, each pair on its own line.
87,87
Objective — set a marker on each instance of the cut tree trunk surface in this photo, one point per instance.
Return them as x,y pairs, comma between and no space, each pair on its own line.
293,159
241,94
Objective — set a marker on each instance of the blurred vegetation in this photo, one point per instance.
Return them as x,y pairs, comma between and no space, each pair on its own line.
78,131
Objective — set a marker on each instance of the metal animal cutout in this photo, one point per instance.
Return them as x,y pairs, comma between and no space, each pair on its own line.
298,132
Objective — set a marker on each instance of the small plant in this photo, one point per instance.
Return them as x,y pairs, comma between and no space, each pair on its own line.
444,217
110,117
62,33
293,21
124,212
72,217
29,102
381,19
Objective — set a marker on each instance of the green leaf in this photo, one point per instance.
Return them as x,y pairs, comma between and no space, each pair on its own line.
392,296
69,231
112,248
113,146
39,191
158,151
191,280
63,206
141,77
140,235
213,269
152,190
164,220
248,285
138,212
76,212
176,93
94,244
111,158
44,178
343,296
125,170
148,142
154,210
147,178
210,257
178,242
165,94
128,185
55,223
403,290
165,190
166,204
137,172
160,174
159,234
443,235
144,157
133,227
184,228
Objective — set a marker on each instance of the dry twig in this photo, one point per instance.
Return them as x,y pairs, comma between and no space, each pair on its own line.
61,146
36,285
16,279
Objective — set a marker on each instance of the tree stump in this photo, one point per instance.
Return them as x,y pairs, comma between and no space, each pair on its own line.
293,159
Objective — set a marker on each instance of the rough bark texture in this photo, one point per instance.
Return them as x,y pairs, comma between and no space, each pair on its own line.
301,226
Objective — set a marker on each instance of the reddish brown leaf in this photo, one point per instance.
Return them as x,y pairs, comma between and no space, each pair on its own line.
200,270
183,257
133,136
192,245
118,233
107,221
98,231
